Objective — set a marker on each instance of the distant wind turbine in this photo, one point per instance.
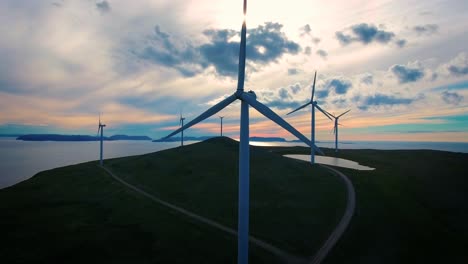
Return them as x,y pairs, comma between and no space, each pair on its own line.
335,128
312,125
221,117
181,123
100,128
246,98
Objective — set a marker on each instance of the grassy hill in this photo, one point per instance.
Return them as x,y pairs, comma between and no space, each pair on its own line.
412,209
79,214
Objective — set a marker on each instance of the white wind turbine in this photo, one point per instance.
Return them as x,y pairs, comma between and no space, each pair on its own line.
100,128
335,128
246,98
221,118
181,123
312,130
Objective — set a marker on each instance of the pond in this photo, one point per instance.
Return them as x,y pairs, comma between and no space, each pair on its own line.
344,163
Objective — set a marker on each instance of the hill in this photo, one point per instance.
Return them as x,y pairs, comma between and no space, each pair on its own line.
80,208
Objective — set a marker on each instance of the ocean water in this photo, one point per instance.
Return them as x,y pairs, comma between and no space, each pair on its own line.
21,160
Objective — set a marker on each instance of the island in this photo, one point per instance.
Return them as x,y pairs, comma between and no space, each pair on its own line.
57,137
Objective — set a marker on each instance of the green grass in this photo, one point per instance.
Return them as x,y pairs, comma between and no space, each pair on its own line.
412,209
79,214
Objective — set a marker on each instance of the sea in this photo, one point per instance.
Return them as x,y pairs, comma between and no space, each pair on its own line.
20,160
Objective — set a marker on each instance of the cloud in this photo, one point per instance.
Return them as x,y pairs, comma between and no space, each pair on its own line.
103,7
344,39
452,97
308,50
381,100
284,94
267,43
427,29
316,40
292,71
166,52
283,98
322,53
407,74
340,86
305,30
459,65
368,79
401,43
366,33
295,88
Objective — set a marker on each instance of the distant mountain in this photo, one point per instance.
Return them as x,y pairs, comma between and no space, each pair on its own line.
57,137
268,139
175,139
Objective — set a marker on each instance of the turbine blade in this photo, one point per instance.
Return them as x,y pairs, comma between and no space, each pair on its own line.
330,114
241,73
245,7
300,107
343,113
268,113
335,128
211,111
323,111
313,88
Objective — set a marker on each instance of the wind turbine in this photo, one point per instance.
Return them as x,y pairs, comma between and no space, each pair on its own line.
181,123
100,128
335,128
221,117
312,130
246,98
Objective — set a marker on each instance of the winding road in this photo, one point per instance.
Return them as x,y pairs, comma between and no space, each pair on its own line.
288,258
344,222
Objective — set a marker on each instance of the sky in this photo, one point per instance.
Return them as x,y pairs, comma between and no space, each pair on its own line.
400,66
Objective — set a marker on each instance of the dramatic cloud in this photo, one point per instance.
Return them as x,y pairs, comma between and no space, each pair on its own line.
103,7
426,29
381,100
322,53
407,74
366,33
164,51
452,97
459,65
267,43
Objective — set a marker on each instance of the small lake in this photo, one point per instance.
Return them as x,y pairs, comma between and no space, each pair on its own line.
344,163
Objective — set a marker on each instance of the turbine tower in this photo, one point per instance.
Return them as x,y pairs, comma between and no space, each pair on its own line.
335,128
100,128
181,123
246,98
221,118
312,119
